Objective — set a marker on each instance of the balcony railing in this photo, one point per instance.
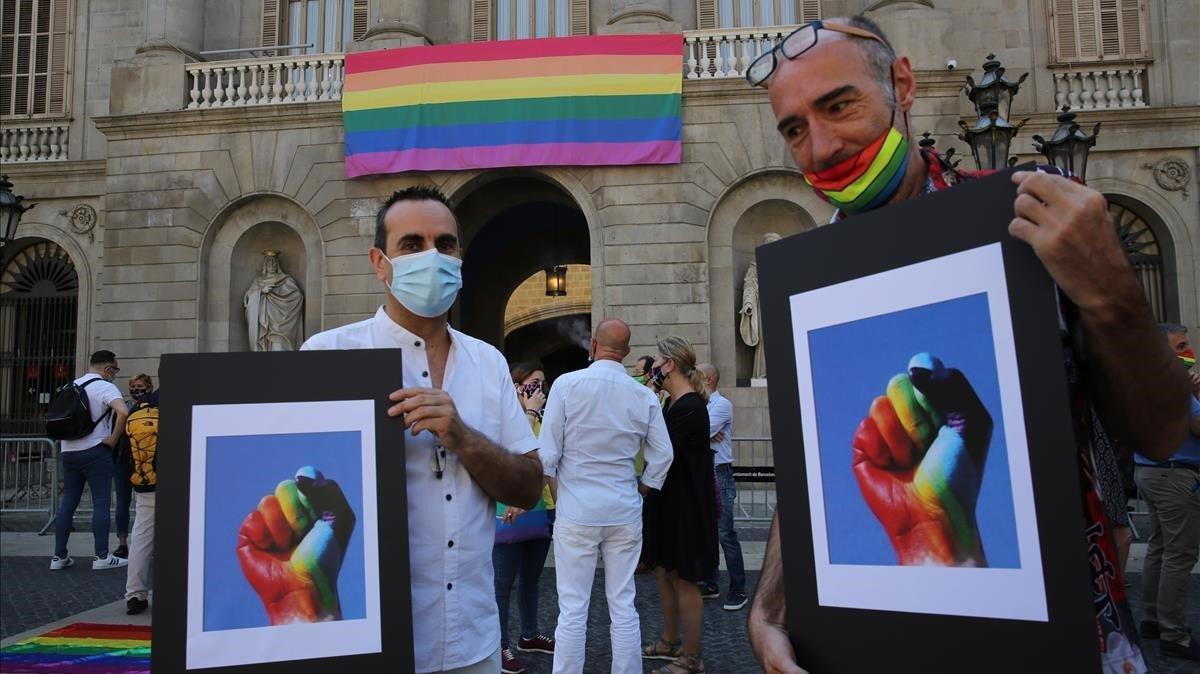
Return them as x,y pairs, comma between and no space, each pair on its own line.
269,81
1101,89
727,52
33,142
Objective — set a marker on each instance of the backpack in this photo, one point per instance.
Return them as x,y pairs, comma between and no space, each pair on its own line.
142,430
70,415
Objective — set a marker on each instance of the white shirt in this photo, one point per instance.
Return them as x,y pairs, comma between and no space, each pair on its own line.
720,420
595,421
455,620
99,394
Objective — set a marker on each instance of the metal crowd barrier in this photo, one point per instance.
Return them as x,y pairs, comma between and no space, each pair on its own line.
29,476
754,475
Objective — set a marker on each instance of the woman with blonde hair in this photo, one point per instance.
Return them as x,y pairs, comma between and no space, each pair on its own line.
681,520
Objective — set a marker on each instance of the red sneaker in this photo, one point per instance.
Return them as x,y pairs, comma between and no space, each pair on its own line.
540,643
509,664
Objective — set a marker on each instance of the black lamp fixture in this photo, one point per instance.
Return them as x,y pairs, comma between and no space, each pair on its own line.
991,137
556,280
11,211
1069,146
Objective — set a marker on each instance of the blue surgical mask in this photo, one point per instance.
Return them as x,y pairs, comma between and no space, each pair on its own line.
426,283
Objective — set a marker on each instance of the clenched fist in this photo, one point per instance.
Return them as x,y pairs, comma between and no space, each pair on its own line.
291,548
919,457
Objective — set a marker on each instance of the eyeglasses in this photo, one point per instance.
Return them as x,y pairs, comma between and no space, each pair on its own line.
116,370
796,43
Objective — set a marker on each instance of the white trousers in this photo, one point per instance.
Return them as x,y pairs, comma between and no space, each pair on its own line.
576,549
141,548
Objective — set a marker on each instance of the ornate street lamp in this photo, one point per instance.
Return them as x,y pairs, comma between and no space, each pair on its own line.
991,137
1069,146
11,211
556,280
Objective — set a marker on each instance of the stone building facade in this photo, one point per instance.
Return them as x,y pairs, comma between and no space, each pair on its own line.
176,141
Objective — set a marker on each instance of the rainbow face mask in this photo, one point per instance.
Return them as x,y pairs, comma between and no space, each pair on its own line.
1188,356
868,179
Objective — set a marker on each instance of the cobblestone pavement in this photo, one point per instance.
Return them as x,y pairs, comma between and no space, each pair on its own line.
33,595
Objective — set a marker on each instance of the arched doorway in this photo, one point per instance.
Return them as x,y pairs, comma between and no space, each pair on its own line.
514,228
39,308
1147,246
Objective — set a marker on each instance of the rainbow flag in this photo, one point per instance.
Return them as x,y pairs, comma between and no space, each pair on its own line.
82,648
588,100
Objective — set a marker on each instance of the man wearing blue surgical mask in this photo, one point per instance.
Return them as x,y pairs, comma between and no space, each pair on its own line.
469,440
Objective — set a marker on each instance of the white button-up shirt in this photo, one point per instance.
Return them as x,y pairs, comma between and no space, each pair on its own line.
720,419
455,620
595,421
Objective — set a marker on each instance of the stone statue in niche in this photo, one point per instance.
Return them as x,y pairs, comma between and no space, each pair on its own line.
750,326
274,308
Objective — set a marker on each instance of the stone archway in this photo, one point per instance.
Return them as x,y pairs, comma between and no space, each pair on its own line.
230,258
773,200
514,225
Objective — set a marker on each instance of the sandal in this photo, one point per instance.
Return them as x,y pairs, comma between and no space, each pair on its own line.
689,663
655,651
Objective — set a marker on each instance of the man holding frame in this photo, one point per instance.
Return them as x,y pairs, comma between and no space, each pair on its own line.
841,98
470,443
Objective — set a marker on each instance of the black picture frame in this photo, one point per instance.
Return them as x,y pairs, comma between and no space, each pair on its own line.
191,381
838,639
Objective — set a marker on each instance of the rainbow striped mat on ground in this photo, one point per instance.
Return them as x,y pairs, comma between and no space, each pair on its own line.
81,648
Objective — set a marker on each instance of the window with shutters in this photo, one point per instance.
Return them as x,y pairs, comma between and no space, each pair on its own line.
1087,31
35,53
753,13
520,19
326,25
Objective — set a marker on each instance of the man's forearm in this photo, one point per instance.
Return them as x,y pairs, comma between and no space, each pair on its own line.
117,431
1142,390
514,479
768,610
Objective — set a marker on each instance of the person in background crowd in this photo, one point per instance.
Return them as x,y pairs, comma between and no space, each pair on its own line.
595,421
89,459
141,428
122,487
526,557
1172,492
641,370
720,428
681,520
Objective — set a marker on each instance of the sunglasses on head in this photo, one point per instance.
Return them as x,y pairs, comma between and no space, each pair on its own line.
796,43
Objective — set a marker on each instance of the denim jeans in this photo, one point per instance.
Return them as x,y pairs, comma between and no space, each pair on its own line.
95,467
123,489
526,559
729,540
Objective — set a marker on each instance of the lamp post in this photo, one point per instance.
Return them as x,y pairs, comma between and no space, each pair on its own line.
556,280
1068,146
991,137
11,211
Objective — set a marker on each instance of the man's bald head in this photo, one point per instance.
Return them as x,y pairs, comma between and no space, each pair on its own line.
711,376
611,340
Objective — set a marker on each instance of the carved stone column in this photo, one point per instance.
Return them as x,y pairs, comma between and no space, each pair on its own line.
153,80
401,23
641,16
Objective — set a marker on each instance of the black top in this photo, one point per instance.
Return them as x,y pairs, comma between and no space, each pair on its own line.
680,522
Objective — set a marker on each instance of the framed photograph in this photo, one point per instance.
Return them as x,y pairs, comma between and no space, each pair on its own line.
276,478
924,450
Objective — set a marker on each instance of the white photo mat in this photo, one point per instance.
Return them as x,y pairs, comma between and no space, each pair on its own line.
1014,594
281,642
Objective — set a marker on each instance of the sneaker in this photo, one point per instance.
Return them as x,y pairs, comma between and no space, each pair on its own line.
135,606
1189,652
540,643
1149,629
735,601
59,563
122,551
709,591
509,664
109,562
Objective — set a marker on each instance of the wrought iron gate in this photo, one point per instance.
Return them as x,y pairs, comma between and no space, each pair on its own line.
39,298
1144,253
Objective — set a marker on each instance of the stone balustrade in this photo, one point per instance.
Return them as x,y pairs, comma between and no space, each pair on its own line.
1101,89
727,52
32,142
266,81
